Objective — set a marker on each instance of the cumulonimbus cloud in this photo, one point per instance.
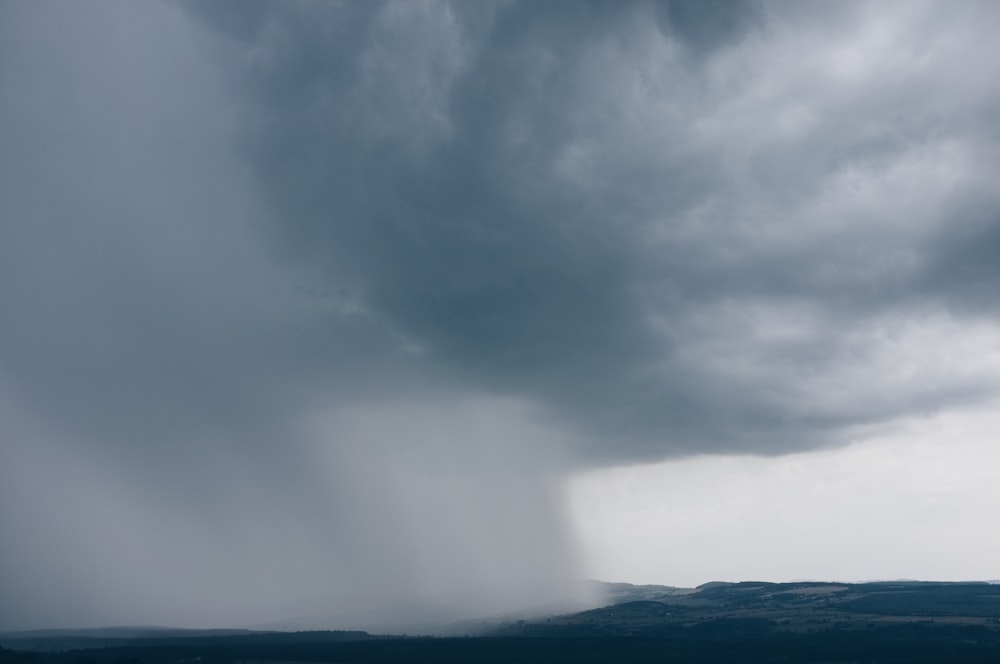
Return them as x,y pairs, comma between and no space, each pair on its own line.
327,295
681,227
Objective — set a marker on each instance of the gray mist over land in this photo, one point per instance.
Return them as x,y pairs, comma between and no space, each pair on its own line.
309,308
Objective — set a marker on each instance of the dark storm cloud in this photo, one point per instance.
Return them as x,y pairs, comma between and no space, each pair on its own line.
707,25
566,201
313,298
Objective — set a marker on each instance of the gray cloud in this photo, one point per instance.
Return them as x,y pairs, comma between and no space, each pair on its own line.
563,202
339,292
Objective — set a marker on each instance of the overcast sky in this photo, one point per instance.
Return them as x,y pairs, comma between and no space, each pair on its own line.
311,306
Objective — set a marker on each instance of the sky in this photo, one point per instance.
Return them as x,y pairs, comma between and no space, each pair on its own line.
362,314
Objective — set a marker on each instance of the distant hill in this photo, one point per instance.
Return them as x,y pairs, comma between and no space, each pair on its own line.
163,637
617,593
791,608
747,622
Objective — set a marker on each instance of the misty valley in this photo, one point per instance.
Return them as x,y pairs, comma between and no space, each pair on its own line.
878,622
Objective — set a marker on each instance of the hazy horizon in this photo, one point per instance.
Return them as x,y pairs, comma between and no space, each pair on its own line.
415,623
329,307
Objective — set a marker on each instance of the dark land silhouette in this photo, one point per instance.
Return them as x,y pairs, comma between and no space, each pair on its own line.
900,621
